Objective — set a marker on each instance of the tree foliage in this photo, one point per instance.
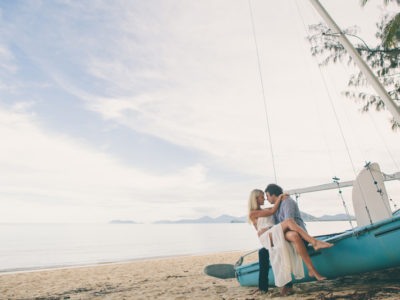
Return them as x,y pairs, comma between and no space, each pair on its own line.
391,31
383,58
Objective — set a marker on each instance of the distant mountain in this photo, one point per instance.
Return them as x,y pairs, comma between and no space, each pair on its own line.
122,222
339,217
206,219
231,219
307,217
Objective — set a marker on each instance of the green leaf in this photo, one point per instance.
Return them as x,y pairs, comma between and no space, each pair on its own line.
391,32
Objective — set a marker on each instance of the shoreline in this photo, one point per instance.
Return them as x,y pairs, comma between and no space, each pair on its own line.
84,265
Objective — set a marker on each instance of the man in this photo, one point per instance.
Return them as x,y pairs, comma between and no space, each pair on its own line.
287,209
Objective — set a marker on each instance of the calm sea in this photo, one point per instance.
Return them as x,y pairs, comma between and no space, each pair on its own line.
37,246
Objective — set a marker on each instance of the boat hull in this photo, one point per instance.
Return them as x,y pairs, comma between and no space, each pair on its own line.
369,248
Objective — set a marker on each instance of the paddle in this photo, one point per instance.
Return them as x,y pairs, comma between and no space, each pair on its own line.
222,271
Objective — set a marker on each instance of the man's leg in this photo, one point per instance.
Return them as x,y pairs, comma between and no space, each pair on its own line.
263,261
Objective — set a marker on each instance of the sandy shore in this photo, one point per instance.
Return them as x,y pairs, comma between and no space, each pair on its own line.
181,278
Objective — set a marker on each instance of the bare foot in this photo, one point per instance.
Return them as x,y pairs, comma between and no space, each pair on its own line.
316,275
286,291
321,245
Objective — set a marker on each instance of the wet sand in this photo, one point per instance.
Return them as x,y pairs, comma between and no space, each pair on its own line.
182,278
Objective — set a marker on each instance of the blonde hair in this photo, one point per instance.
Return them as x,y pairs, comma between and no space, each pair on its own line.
253,202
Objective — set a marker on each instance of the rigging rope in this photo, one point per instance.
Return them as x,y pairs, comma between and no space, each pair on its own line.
354,130
332,106
262,89
336,180
339,125
379,133
379,189
322,129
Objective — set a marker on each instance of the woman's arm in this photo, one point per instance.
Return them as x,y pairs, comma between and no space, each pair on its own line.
268,211
261,213
278,202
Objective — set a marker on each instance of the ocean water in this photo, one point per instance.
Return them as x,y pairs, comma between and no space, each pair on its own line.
37,246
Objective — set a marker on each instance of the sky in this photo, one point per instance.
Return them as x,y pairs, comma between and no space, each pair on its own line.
154,110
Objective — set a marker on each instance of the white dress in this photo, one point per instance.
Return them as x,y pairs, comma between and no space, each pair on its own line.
283,257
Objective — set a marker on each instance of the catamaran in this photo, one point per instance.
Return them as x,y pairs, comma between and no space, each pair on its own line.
373,244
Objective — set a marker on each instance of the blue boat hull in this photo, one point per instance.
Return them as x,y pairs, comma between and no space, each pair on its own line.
370,248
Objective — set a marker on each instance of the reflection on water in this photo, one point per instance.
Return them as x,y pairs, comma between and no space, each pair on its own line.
27,246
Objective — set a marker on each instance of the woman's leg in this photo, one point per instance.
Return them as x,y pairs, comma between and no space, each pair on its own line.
294,237
290,224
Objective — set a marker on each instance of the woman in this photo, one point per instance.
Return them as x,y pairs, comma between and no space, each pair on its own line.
284,259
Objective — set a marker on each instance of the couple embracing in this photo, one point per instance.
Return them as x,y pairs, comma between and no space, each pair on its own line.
283,235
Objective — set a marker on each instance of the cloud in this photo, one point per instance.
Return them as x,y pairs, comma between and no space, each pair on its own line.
185,72
7,59
44,167
206,95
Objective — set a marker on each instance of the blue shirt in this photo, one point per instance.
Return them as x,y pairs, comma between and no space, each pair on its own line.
289,209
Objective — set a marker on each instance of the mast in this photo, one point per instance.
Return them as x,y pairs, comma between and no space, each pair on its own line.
376,84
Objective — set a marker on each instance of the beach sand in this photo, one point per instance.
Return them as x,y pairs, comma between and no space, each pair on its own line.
181,278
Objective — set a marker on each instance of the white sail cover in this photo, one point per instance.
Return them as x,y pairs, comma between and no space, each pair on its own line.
371,196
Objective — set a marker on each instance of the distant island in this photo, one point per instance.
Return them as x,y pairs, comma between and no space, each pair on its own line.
339,217
206,219
231,219
122,222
